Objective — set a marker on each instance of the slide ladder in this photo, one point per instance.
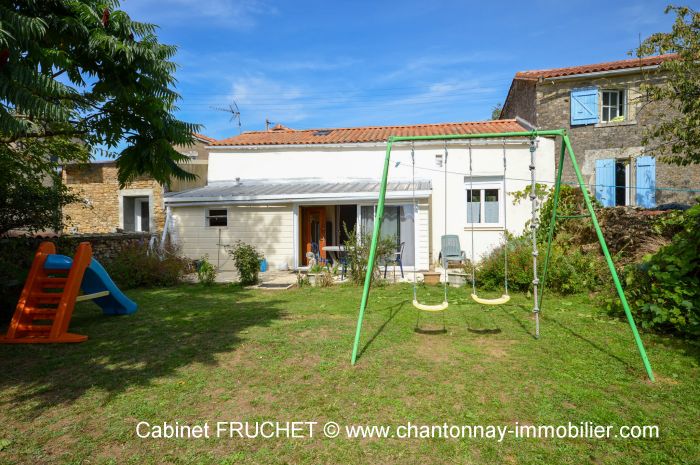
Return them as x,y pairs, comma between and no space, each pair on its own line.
46,304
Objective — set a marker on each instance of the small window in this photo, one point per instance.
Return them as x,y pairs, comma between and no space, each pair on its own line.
484,204
217,218
613,108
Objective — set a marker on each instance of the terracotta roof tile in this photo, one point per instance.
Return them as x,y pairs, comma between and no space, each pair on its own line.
594,68
366,134
204,138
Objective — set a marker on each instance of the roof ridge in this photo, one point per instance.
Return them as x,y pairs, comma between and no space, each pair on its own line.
346,128
363,134
602,64
202,136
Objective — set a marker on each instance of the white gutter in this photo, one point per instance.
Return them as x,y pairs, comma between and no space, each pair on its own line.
381,145
603,73
277,199
281,146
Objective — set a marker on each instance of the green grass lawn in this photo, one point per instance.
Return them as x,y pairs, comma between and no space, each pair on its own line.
194,354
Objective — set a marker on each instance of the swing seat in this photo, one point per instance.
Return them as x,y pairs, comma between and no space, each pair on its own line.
430,308
498,301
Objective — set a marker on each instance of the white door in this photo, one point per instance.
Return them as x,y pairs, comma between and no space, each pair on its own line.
141,215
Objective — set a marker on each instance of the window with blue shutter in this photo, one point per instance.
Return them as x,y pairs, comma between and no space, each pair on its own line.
646,182
605,182
584,106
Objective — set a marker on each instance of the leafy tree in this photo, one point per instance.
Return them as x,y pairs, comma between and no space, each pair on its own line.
31,192
676,134
496,111
83,70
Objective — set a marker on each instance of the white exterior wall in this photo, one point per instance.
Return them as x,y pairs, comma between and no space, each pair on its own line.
269,228
365,161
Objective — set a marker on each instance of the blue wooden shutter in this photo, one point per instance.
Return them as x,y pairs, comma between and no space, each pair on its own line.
605,182
584,106
646,182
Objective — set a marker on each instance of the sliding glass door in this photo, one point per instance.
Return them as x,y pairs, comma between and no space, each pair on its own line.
398,222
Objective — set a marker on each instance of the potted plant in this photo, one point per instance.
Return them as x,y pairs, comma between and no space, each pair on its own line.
314,274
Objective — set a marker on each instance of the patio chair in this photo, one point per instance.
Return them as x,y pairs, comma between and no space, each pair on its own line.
398,259
450,250
316,250
343,260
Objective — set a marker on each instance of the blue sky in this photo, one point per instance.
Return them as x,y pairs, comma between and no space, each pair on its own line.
336,64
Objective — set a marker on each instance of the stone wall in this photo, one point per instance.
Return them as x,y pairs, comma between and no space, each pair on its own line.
621,140
101,211
104,246
521,101
197,167
196,151
17,253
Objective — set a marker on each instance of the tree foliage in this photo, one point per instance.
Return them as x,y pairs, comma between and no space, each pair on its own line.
83,69
664,289
31,192
496,111
675,136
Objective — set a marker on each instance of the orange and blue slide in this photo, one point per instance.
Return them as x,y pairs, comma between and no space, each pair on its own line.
52,288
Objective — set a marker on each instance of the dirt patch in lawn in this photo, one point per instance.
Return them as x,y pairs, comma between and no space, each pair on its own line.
436,347
243,356
495,348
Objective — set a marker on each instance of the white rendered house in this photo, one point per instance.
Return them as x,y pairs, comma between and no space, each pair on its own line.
282,190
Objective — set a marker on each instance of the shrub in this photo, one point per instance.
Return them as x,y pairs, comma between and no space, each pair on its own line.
570,203
357,248
206,272
302,280
246,259
664,289
135,267
16,255
570,270
325,279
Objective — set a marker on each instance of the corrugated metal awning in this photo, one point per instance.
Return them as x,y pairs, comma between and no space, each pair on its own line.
279,191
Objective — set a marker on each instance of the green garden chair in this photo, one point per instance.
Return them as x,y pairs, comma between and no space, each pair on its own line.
450,250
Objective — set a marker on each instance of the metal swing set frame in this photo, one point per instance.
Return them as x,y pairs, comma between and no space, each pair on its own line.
566,148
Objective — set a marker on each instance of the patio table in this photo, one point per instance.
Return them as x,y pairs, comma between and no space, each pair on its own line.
334,251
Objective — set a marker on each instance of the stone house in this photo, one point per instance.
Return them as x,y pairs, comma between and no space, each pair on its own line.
604,110
138,207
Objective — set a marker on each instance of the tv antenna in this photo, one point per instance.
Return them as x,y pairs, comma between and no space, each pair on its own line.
234,111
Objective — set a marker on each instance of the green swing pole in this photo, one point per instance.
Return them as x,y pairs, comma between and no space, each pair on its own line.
373,249
565,142
550,234
608,259
382,196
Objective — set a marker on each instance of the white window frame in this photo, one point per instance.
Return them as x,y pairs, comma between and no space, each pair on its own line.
208,216
621,104
483,186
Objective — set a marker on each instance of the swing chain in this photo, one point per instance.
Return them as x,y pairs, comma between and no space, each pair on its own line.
445,263
533,232
471,212
415,208
505,221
